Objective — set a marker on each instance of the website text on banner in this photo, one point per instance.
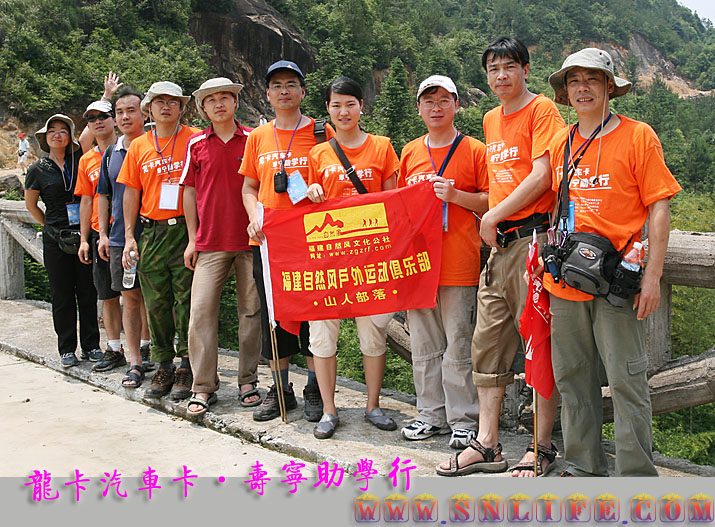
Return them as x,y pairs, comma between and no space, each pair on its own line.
355,256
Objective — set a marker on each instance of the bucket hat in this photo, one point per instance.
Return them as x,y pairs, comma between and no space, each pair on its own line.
284,65
212,86
41,134
439,81
163,88
590,58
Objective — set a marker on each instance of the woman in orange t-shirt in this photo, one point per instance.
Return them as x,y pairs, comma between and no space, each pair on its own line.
375,164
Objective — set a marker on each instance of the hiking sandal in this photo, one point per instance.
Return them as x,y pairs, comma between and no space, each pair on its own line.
200,402
133,376
250,393
487,465
544,453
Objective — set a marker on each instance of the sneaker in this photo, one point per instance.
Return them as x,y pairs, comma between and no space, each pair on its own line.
160,384
182,384
94,355
419,430
313,402
326,426
270,409
461,437
68,360
147,363
111,359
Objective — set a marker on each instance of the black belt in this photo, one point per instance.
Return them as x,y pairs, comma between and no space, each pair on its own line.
538,222
524,232
171,221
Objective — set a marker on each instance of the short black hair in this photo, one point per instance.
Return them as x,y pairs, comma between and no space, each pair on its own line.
509,47
344,86
126,91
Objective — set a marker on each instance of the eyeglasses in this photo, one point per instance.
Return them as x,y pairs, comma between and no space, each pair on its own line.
98,117
57,132
443,103
171,103
286,86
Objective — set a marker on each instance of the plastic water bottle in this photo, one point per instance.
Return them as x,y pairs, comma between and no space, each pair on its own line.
632,260
130,275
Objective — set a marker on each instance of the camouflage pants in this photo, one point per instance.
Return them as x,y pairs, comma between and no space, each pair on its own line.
166,286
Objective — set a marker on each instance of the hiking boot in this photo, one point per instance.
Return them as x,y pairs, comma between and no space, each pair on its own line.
419,430
111,359
182,384
313,402
94,355
147,363
270,409
160,384
68,360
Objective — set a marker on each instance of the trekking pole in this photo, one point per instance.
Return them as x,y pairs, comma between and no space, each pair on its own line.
536,433
279,381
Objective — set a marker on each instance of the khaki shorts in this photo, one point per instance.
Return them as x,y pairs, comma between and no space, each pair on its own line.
499,305
324,337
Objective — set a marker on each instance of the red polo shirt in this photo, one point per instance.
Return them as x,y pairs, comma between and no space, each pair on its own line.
211,167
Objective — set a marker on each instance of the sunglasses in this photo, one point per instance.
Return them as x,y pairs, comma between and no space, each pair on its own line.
100,117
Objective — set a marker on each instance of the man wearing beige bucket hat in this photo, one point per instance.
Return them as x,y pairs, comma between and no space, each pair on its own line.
617,180
218,241
151,172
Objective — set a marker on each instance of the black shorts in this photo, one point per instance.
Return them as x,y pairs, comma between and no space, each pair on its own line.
100,271
288,344
117,270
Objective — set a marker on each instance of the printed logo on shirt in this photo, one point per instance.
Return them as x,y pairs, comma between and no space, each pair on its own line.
274,159
498,153
162,166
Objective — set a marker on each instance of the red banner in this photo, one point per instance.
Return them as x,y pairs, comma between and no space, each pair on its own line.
355,256
535,327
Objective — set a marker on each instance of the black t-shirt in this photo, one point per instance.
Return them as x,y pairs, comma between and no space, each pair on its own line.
56,188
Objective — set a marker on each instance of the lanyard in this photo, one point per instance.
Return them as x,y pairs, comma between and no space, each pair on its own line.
67,178
161,151
582,149
446,159
275,135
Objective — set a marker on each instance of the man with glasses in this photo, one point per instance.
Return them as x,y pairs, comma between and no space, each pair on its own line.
100,121
151,173
276,157
440,336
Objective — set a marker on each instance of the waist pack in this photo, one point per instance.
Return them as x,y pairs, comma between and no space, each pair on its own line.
68,240
589,262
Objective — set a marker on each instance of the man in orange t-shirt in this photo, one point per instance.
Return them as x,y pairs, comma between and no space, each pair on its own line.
620,182
151,172
517,134
278,151
440,336
100,120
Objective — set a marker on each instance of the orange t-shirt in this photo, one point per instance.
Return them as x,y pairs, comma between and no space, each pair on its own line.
87,179
514,141
374,162
146,169
613,202
467,169
261,159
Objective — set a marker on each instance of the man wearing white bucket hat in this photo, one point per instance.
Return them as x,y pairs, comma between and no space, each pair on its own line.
617,180
218,241
151,173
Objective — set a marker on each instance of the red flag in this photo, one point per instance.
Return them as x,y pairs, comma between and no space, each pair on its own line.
355,256
535,327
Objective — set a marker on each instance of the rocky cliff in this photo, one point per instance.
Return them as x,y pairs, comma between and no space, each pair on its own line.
245,42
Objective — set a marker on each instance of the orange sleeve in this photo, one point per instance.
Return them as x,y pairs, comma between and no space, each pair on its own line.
248,165
83,187
655,181
392,163
546,124
482,173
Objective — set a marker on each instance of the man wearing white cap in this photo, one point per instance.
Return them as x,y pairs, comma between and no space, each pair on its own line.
151,173
218,241
440,336
617,180
100,120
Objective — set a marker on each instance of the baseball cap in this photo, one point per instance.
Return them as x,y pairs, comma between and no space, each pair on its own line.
99,106
439,81
284,65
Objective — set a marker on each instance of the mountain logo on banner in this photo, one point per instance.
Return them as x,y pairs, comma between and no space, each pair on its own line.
350,222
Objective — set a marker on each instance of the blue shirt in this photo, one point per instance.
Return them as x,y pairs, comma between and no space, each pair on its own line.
107,184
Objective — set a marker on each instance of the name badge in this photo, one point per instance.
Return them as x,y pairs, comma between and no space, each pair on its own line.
73,213
297,188
445,216
169,197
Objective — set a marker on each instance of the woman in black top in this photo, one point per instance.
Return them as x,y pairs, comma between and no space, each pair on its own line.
53,179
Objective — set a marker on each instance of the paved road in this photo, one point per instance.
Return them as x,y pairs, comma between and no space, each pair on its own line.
55,423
